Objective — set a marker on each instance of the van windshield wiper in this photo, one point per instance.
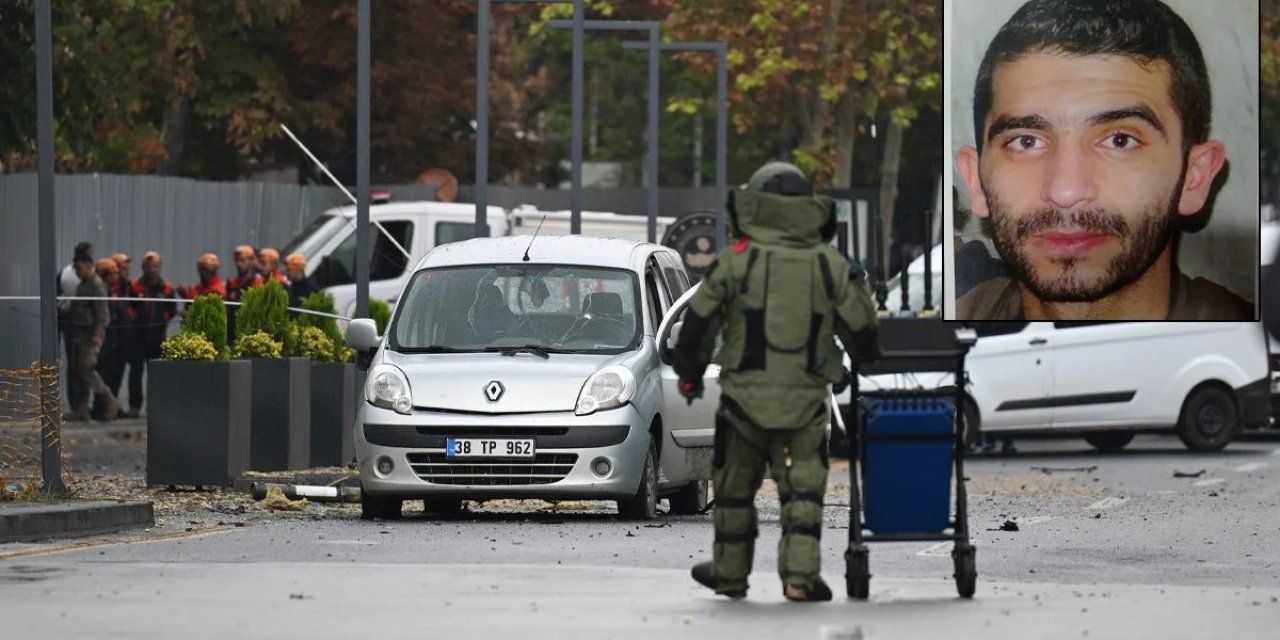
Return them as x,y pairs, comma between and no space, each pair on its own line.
435,348
535,349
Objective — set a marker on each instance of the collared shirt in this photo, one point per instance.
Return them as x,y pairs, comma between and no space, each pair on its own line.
1191,299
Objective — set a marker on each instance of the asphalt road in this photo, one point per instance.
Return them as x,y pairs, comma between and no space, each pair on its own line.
1108,545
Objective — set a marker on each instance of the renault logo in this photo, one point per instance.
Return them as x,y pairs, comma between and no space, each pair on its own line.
493,391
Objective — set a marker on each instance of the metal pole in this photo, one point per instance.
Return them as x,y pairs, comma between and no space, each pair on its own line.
651,205
363,250
722,138
51,421
575,197
482,120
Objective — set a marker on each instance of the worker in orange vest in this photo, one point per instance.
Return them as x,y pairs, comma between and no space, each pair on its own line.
210,282
151,323
269,266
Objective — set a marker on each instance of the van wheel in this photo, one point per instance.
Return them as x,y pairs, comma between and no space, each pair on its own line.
644,504
379,507
1209,420
1109,441
691,499
972,427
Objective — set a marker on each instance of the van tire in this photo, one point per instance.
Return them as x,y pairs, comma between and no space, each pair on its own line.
644,504
1209,419
379,507
1109,441
691,499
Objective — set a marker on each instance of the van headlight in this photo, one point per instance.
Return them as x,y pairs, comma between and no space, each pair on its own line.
387,387
610,387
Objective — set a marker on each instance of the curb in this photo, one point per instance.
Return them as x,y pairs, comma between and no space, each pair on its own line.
30,522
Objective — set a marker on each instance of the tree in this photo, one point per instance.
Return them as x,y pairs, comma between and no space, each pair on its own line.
1270,98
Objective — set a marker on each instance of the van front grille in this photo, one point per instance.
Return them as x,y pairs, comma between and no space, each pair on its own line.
545,468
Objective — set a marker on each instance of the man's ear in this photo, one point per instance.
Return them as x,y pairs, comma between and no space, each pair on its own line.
967,163
1204,161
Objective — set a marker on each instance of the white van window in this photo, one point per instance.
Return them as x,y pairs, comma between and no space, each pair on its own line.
447,232
386,262
495,307
988,329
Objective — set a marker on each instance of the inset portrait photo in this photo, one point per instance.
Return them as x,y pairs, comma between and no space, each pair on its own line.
1105,160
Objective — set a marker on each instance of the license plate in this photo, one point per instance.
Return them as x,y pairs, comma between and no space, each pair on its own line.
490,447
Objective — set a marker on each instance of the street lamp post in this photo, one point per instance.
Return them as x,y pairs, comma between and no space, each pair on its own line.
722,95
482,114
651,203
50,417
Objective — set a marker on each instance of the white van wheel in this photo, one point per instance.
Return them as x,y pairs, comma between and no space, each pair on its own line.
1209,420
644,504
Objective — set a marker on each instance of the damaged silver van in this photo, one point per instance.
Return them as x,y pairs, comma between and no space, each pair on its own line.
519,368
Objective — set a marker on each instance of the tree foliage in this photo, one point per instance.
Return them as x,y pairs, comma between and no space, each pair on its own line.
810,70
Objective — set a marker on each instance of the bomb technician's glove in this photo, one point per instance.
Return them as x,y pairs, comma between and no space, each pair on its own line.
839,387
691,389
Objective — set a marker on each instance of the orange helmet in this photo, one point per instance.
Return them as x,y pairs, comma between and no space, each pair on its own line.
268,255
296,261
107,266
150,257
121,259
244,250
208,261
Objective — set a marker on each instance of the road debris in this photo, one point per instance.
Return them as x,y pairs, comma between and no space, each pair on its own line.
1049,470
1183,474
1008,525
275,500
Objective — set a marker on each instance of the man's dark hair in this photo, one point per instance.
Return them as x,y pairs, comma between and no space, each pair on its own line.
83,249
82,257
1146,30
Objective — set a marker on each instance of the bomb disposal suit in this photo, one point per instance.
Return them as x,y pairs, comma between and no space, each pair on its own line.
779,294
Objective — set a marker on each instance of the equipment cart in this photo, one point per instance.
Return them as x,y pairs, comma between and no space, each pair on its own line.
904,446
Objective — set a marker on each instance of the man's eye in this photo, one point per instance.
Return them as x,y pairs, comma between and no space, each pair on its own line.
1024,143
1121,141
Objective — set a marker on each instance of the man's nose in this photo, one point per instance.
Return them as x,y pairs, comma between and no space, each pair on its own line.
1069,180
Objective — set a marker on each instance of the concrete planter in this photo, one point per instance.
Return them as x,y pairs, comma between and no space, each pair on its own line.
198,422
333,412
280,431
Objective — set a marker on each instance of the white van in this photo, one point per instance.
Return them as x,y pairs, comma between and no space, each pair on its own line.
1205,381
329,241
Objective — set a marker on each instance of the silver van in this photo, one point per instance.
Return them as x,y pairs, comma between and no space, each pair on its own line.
528,368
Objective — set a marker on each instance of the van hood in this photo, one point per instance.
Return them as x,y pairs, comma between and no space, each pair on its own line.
529,384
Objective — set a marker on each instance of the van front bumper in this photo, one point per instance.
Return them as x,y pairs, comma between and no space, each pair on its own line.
567,448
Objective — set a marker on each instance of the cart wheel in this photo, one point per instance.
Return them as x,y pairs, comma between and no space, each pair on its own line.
857,573
966,570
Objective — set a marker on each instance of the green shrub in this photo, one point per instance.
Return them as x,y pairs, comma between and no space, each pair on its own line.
314,344
208,317
189,346
380,311
257,345
265,309
323,303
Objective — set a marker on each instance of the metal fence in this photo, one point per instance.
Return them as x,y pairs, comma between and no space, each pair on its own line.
183,218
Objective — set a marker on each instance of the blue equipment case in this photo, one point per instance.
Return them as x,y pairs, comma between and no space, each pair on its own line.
906,446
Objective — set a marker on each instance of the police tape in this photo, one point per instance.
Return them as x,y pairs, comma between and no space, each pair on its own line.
172,300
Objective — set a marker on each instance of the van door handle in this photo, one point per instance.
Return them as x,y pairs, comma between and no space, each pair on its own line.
1038,341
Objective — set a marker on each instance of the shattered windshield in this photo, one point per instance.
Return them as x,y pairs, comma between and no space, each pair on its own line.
490,307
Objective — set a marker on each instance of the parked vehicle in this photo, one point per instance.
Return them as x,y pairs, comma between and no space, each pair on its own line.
1205,381
518,367
329,241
